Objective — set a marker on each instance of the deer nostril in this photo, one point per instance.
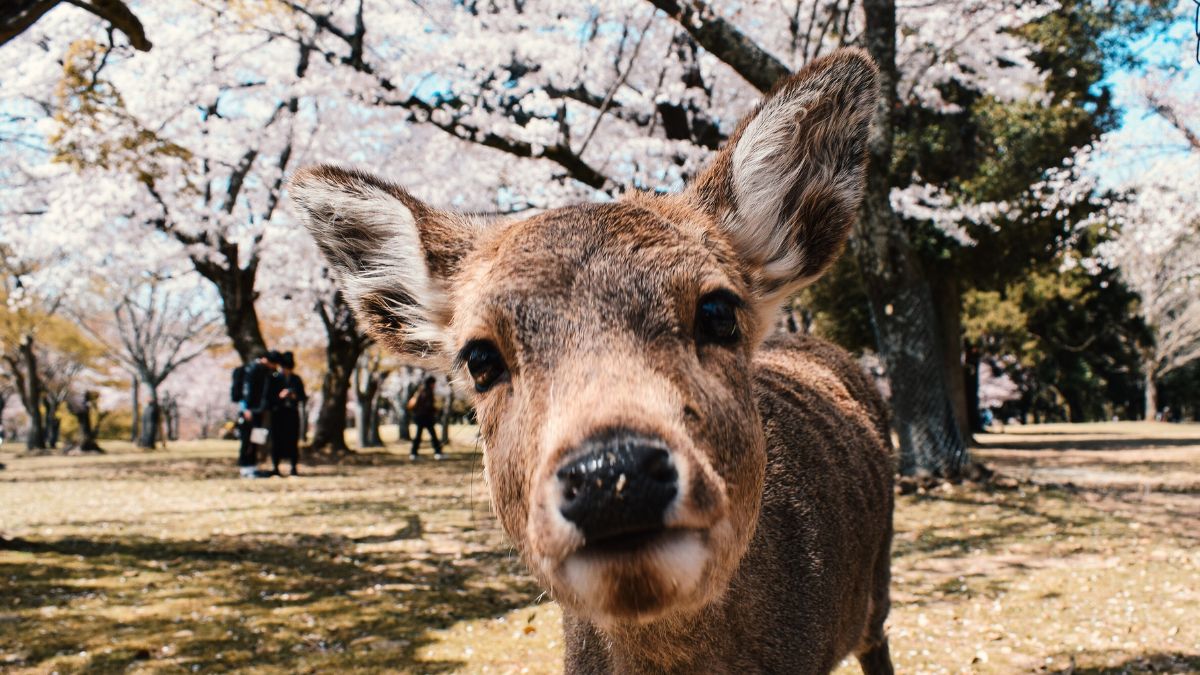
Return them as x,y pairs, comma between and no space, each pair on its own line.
659,468
573,482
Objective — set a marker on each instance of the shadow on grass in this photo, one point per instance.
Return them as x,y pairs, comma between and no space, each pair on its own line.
134,468
1158,662
130,466
1018,518
297,603
1089,444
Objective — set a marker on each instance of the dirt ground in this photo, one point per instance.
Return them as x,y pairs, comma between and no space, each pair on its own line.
165,562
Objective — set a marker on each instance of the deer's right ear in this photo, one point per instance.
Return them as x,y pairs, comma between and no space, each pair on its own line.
787,186
393,254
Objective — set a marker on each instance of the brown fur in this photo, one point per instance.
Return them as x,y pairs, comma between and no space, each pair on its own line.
775,555
813,586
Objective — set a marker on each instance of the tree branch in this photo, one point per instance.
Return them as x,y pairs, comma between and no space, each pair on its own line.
16,16
559,154
727,43
1168,113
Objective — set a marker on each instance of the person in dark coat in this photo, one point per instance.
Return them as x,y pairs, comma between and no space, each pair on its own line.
423,406
287,396
254,407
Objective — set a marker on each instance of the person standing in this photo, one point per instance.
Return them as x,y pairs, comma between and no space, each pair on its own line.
253,408
423,406
287,396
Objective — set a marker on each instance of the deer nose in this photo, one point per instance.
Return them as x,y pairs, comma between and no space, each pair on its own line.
620,485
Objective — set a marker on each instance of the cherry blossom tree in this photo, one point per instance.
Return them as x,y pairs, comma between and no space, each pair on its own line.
1170,87
38,274
618,95
156,327
491,107
1154,162
202,398
1158,255
196,139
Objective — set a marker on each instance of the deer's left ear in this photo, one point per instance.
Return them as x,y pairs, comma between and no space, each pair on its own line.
787,186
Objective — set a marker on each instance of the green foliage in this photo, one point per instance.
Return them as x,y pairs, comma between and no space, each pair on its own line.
838,307
1073,336
1179,392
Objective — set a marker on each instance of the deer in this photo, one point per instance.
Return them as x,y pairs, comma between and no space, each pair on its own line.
697,493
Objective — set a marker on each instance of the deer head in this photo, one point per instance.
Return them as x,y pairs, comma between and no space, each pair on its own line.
610,345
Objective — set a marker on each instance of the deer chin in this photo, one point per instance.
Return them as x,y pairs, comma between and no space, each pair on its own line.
643,576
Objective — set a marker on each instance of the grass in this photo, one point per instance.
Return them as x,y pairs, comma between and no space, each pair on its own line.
165,562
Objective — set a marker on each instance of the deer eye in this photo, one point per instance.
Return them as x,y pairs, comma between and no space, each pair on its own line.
484,362
716,318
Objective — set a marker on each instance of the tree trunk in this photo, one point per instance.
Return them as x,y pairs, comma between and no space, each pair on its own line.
235,285
164,420
901,301
31,395
971,364
1151,391
173,420
373,435
406,418
134,426
366,420
446,413
343,347
51,421
150,421
329,432
948,305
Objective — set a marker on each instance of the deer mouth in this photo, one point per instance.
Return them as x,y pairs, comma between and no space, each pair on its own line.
636,575
631,542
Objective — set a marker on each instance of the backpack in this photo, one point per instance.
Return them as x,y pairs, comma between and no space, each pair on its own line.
237,392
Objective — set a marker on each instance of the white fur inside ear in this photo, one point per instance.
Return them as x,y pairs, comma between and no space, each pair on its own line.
371,239
765,165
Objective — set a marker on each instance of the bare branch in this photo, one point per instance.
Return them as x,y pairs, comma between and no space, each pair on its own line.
1171,115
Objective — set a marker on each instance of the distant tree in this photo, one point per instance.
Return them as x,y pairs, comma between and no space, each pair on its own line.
154,330
214,196
370,375
67,354
199,392
27,326
1158,254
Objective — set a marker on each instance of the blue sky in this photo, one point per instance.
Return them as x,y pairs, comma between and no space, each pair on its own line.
1145,138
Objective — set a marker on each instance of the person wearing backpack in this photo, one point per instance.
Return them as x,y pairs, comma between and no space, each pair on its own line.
253,405
423,406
